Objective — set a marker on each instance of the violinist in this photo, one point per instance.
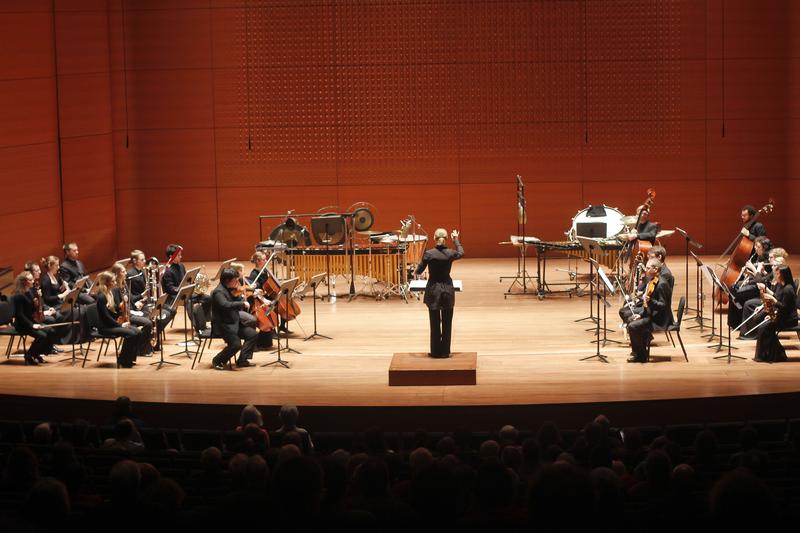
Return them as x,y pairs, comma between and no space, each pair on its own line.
757,229
660,253
653,310
72,270
756,270
26,307
225,322
781,306
646,230
122,297
137,281
109,313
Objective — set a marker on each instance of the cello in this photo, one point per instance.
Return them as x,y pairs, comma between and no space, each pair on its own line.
740,249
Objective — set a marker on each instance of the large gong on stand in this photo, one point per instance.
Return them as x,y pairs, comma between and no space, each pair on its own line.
362,217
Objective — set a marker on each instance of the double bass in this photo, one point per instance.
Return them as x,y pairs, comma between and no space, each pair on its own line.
740,249
636,251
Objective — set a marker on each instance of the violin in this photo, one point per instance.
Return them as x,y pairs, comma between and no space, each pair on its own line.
38,305
742,250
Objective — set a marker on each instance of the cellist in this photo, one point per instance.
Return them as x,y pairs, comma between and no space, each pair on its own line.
646,230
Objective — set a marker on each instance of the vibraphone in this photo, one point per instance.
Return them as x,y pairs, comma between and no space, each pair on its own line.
607,255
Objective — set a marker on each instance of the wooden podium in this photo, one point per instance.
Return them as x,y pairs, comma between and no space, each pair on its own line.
420,369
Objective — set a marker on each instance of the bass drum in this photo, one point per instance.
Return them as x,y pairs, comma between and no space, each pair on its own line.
589,222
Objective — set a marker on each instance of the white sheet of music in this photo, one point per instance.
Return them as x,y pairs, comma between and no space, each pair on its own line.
419,284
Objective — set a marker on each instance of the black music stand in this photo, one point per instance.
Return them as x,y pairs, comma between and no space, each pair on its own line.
328,230
607,288
225,264
188,279
689,242
283,292
315,280
603,280
69,306
589,244
155,316
522,271
184,295
731,301
701,297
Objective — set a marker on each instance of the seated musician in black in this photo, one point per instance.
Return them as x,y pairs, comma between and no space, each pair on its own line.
646,230
24,308
752,311
122,293
745,288
653,310
108,310
660,253
258,276
140,297
225,322
72,270
757,229
784,299
171,280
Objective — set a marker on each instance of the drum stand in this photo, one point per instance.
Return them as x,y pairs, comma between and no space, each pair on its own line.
522,278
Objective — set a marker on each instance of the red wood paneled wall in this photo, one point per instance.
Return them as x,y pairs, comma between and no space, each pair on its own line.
221,110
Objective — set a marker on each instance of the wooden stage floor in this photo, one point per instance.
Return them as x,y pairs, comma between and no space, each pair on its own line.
529,353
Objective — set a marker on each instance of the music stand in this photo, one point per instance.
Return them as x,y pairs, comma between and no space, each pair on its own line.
283,292
184,293
328,230
589,244
689,242
68,306
731,301
155,316
700,299
225,264
607,287
188,279
315,280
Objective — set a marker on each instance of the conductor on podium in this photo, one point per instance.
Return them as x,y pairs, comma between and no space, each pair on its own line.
439,292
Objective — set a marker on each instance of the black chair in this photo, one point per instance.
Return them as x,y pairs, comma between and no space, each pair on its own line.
676,327
204,333
7,328
93,319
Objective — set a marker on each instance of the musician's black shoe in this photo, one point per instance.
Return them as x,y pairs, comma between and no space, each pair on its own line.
244,363
217,366
56,349
634,359
284,328
29,360
39,359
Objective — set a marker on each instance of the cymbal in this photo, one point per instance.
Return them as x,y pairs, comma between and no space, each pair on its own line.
371,232
664,233
629,220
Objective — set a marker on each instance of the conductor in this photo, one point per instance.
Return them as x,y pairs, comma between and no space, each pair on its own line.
439,292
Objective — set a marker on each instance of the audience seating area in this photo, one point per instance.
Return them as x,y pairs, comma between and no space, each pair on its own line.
541,477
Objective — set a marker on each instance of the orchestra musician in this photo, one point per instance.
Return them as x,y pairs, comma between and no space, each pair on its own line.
108,310
758,229
72,270
653,309
171,280
138,294
439,292
136,317
757,270
660,253
259,260
784,300
24,319
48,301
54,290
646,230
752,312
226,323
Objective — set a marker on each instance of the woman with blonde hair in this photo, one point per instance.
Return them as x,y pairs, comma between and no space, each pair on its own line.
440,294
108,309
24,309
